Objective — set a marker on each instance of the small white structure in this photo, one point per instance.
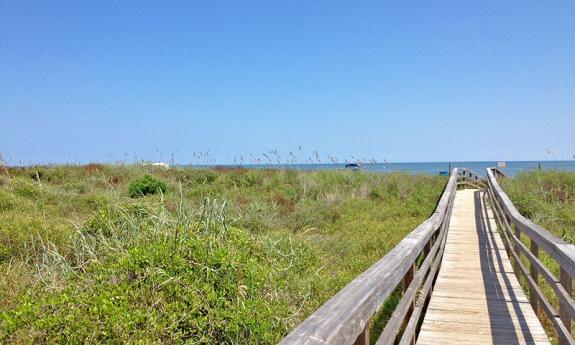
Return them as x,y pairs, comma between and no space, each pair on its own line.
158,164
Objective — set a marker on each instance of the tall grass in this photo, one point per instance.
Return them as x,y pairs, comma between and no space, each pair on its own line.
547,198
222,256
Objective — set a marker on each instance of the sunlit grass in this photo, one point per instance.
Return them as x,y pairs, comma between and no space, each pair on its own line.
223,255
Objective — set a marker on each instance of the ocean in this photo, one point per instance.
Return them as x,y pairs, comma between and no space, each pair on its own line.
432,168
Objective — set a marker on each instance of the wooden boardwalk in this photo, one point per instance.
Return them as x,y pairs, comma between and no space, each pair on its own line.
477,298
458,286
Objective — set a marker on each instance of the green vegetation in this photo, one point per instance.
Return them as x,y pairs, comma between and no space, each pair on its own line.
220,256
548,199
146,185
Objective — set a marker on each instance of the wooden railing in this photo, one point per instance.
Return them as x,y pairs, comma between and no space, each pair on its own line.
514,226
470,178
412,266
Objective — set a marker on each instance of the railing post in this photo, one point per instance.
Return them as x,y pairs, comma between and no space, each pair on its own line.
406,281
427,248
363,338
567,283
534,274
516,249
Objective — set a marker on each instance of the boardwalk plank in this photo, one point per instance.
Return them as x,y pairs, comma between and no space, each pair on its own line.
477,298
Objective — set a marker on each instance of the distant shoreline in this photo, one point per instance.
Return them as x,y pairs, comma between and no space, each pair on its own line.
433,168
430,168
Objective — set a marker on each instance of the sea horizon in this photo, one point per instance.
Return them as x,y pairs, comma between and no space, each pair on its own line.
511,167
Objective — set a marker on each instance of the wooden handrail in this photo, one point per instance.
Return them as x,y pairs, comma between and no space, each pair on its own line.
497,172
468,173
513,225
561,251
470,178
344,319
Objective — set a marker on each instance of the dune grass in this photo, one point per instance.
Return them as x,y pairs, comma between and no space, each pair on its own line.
217,256
547,198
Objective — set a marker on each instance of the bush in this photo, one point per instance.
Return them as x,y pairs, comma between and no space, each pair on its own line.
146,185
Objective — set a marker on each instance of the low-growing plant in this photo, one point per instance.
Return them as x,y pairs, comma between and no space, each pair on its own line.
146,185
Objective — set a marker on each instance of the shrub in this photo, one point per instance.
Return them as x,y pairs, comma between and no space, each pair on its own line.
146,185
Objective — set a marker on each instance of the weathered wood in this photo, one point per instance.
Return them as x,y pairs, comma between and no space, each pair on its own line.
470,178
477,299
406,282
433,259
534,249
409,332
562,252
498,173
518,236
342,318
501,219
427,248
559,250
363,338
394,324
536,266
466,173
564,334
565,309
469,184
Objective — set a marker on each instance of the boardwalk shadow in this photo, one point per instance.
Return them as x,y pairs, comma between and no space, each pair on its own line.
508,323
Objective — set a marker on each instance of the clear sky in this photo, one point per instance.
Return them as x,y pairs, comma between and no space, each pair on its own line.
411,81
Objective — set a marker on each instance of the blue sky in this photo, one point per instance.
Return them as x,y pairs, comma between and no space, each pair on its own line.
85,81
